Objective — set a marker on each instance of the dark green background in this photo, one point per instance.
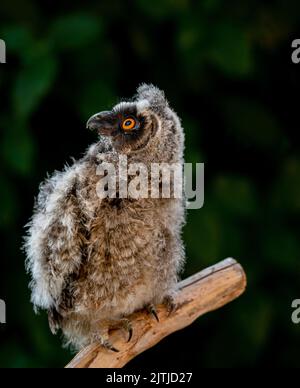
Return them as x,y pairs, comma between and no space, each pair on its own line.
226,68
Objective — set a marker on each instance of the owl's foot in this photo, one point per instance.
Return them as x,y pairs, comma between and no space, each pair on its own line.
106,326
108,345
152,310
169,303
124,324
104,342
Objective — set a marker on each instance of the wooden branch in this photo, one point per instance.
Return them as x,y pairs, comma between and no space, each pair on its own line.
201,293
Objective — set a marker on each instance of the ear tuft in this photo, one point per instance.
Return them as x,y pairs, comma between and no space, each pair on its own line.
155,96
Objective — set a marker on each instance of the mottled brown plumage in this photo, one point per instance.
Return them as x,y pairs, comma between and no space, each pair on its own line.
94,261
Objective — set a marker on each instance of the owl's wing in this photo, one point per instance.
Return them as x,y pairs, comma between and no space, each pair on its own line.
55,242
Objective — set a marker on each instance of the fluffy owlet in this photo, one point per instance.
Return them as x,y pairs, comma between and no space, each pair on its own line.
95,260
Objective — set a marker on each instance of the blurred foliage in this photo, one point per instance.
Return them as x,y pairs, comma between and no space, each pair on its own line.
226,69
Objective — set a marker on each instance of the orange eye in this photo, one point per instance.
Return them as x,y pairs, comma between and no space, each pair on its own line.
128,124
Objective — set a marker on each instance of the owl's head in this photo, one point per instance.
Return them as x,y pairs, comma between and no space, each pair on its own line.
134,124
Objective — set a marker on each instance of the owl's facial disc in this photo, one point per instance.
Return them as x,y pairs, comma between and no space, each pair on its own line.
109,123
129,128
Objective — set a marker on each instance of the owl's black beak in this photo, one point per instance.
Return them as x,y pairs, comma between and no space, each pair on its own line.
104,122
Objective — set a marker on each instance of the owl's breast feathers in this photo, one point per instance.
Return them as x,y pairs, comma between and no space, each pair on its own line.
127,258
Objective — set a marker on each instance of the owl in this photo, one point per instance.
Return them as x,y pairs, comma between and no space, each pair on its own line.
94,260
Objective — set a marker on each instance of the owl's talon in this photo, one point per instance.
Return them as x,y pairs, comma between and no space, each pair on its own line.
107,345
130,331
103,340
126,325
121,324
170,304
152,310
154,313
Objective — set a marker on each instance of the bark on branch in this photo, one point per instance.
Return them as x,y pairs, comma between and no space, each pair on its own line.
199,294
